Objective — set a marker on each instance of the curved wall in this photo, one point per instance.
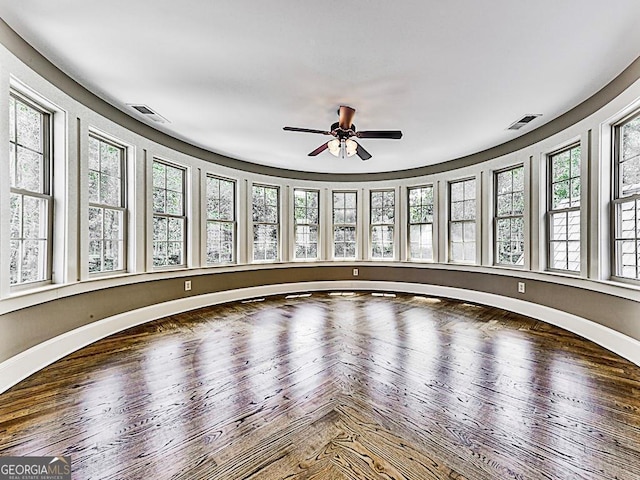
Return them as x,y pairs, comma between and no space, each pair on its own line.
77,300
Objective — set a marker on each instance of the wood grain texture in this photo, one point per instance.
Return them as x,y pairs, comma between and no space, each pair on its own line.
334,387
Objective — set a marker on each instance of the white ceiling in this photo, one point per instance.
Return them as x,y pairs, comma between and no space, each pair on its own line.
228,75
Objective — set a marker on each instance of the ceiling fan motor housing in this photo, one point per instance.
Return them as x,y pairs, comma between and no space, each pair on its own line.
341,133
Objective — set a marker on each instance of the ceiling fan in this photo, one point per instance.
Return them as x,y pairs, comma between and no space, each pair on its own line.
343,145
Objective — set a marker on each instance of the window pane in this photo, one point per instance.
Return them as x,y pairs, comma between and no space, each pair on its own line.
462,212
16,216
306,218
509,225
350,200
173,204
29,127
630,173
94,154
344,224
169,220
457,192
159,200
457,211
627,234
382,219
34,254
94,187
175,179
630,139
265,216
29,170
95,224
159,175
110,160
221,220
110,191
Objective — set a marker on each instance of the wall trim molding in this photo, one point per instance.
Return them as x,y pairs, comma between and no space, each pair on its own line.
28,362
22,50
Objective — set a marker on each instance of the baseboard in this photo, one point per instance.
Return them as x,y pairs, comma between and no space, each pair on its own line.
26,363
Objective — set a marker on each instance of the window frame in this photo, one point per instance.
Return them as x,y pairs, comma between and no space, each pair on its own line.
335,225
277,224
432,223
450,222
373,225
306,224
234,222
47,194
123,203
184,216
511,216
550,211
617,200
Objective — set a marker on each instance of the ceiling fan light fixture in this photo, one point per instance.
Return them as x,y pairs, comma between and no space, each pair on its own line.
342,148
334,147
351,147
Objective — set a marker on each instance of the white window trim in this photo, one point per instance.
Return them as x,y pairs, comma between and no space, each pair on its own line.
204,220
319,246
279,227
393,225
476,215
433,224
186,215
495,217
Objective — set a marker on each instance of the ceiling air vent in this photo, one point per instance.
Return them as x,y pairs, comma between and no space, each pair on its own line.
518,124
148,113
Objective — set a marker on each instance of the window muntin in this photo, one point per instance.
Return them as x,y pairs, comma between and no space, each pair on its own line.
31,202
221,220
169,215
266,222
563,216
382,223
462,221
509,216
421,223
305,215
345,217
626,201
107,206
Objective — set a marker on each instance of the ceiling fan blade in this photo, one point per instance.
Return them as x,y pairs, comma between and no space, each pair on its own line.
320,149
362,153
306,130
392,134
346,117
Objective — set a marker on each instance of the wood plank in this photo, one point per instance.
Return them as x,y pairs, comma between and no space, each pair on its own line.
328,387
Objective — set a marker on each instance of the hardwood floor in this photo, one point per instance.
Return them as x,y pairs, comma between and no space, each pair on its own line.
334,387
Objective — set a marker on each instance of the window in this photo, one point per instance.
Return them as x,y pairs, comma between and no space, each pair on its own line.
626,202
563,217
31,202
169,215
344,224
221,220
265,223
421,223
462,221
509,216
305,213
107,207
382,223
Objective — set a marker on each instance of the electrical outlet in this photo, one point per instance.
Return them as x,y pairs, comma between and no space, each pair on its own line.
187,285
520,287
355,272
